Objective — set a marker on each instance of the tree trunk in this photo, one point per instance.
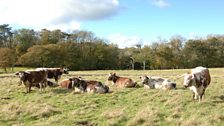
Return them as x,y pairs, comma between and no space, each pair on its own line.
132,63
144,65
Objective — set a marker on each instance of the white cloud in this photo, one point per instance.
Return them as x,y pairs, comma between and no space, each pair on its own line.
53,13
161,3
124,41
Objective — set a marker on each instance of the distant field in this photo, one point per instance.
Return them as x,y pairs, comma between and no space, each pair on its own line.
131,107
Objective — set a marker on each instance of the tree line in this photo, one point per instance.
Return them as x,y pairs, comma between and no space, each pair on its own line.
82,50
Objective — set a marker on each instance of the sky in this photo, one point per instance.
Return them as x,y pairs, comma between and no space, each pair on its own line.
122,22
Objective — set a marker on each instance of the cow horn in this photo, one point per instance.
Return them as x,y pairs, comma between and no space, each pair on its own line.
27,72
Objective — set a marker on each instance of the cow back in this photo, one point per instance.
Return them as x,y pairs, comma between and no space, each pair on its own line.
37,76
66,84
124,82
202,76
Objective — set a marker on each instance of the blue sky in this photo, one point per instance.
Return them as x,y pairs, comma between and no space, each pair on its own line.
124,22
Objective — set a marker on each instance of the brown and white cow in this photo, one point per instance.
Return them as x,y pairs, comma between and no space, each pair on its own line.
55,73
198,80
89,86
96,87
121,81
33,78
157,83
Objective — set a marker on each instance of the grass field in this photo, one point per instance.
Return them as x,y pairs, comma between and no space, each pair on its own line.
121,107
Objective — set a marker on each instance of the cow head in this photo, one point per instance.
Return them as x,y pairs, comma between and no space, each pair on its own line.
23,75
74,81
188,80
147,81
144,79
65,70
111,76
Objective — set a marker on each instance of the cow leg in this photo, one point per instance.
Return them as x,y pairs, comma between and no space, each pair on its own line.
200,98
29,88
56,79
193,95
41,86
201,95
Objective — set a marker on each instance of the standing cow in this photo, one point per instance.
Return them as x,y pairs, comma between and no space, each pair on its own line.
157,83
198,80
55,73
33,78
121,81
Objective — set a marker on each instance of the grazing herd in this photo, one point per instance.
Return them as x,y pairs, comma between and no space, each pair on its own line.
197,81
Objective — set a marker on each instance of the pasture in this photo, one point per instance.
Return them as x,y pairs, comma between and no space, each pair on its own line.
121,107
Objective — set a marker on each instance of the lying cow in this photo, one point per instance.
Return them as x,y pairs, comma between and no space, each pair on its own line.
55,73
198,80
121,81
157,83
84,85
33,78
96,86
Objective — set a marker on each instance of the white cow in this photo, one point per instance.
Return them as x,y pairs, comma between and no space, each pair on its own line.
198,80
157,83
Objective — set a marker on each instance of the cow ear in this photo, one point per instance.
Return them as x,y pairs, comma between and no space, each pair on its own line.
70,79
17,73
114,74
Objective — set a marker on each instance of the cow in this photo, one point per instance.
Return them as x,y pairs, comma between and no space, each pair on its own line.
197,81
122,82
55,72
32,78
67,83
157,83
90,86
96,87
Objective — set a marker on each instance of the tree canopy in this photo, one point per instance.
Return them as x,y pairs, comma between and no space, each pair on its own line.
82,50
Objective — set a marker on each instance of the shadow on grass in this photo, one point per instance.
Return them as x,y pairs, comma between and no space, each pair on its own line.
182,88
84,123
6,98
220,99
62,91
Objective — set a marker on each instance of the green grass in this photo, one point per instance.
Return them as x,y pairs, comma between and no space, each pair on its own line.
131,106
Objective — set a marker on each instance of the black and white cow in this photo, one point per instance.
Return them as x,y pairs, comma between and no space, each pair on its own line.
157,83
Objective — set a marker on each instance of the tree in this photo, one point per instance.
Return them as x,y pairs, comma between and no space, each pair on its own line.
57,36
45,37
7,58
5,36
176,45
82,36
36,56
24,39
